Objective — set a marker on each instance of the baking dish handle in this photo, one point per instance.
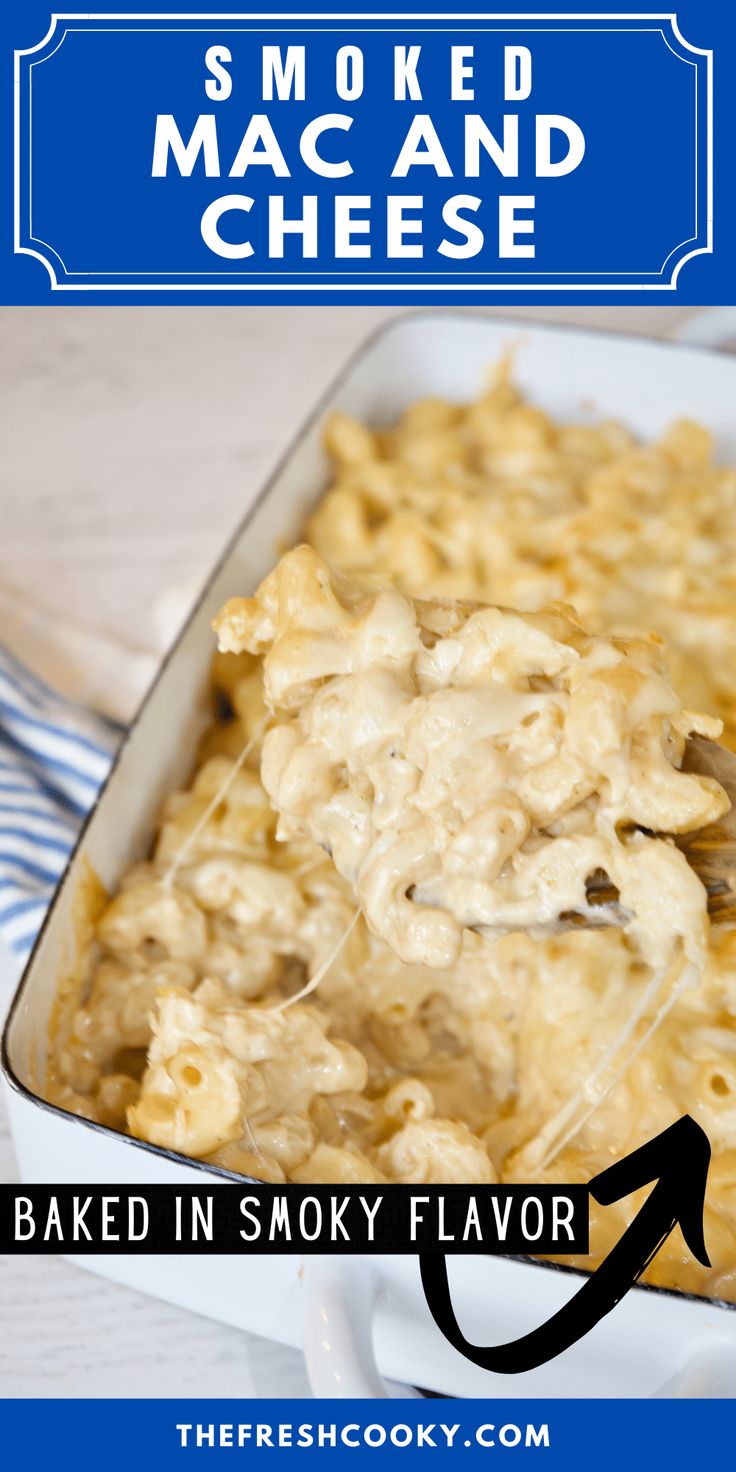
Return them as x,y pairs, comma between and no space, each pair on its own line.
340,1296
711,327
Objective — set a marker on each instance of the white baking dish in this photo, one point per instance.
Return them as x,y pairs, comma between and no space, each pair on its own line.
653,1339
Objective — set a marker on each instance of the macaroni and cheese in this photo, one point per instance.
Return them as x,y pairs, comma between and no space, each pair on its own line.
237,1007
470,767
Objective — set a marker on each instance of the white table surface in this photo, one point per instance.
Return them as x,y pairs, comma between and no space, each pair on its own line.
133,440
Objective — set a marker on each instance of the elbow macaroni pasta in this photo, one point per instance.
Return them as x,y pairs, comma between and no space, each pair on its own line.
469,766
442,1063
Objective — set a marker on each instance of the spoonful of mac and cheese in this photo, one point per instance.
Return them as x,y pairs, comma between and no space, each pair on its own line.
474,767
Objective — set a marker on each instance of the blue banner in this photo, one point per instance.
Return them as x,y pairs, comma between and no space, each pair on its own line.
555,1435
527,156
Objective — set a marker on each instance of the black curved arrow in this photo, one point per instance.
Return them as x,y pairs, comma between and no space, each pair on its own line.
678,1160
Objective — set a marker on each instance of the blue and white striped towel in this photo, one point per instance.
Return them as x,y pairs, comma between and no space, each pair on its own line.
54,757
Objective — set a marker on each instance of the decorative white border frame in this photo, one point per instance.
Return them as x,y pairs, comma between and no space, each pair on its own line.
227,284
